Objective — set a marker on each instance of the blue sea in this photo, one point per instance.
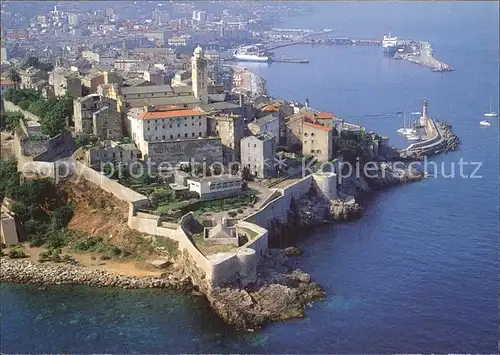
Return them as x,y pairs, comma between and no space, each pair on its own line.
417,274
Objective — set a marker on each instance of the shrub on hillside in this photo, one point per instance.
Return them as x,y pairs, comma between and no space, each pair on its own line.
17,253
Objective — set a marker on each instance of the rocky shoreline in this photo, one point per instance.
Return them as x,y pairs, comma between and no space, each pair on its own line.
279,293
24,271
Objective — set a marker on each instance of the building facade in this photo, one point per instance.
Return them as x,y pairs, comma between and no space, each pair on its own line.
64,80
111,152
216,186
268,124
165,123
258,155
230,129
317,141
96,114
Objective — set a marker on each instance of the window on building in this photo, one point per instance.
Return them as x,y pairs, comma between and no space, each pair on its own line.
318,151
212,187
225,185
192,124
231,184
312,140
171,136
114,155
199,134
185,118
148,128
138,95
178,135
170,126
305,142
312,134
178,125
200,124
185,125
255,145
163,137
192,134
312,150
185,135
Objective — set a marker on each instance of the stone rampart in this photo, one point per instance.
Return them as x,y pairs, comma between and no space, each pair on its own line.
10,106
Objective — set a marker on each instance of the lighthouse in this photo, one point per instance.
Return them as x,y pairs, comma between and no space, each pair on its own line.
423,118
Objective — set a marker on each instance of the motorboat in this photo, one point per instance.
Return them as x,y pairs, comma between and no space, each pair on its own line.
490,113
485,123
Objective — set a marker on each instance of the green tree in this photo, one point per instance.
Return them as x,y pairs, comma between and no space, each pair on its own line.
61,217
10,120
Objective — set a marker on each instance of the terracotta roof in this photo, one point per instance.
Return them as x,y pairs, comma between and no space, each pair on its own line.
272,108
172,113
314,125
324,115
167,107
6,82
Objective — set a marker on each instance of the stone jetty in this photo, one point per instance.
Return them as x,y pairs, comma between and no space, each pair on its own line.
451,142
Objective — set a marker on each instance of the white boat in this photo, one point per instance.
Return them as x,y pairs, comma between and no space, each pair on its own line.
490,113
485,123
405,131
251,53
413,137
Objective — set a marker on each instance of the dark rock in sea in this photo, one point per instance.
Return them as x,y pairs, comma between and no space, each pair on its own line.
293,251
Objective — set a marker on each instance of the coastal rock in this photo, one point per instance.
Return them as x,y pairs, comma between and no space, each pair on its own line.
293,251
345,210
27,271
275,296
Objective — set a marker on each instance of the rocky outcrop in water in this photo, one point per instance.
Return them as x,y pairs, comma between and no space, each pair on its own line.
29,272
292,251
280,293
341,210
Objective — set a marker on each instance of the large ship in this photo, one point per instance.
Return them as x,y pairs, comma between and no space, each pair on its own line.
390,45
253,53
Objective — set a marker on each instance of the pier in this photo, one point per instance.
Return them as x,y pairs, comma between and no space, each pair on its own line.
418,52
422,54
290,60
437,138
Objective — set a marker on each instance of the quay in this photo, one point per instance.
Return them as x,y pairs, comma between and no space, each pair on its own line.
421,54
290,60
418,52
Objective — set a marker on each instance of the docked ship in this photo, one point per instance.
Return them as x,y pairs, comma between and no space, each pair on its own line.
390,45
253,53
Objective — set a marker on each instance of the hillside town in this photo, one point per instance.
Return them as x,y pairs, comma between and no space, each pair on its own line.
202,165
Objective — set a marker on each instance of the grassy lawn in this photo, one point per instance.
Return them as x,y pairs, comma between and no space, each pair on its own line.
209,249
248,232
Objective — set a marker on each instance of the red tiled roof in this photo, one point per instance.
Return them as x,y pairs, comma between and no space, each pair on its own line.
317,126
171,113
7,82
324,115
272,108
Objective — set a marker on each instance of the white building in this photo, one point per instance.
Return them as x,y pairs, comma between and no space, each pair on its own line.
216,186
165,123
266,125
199,75
181,41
